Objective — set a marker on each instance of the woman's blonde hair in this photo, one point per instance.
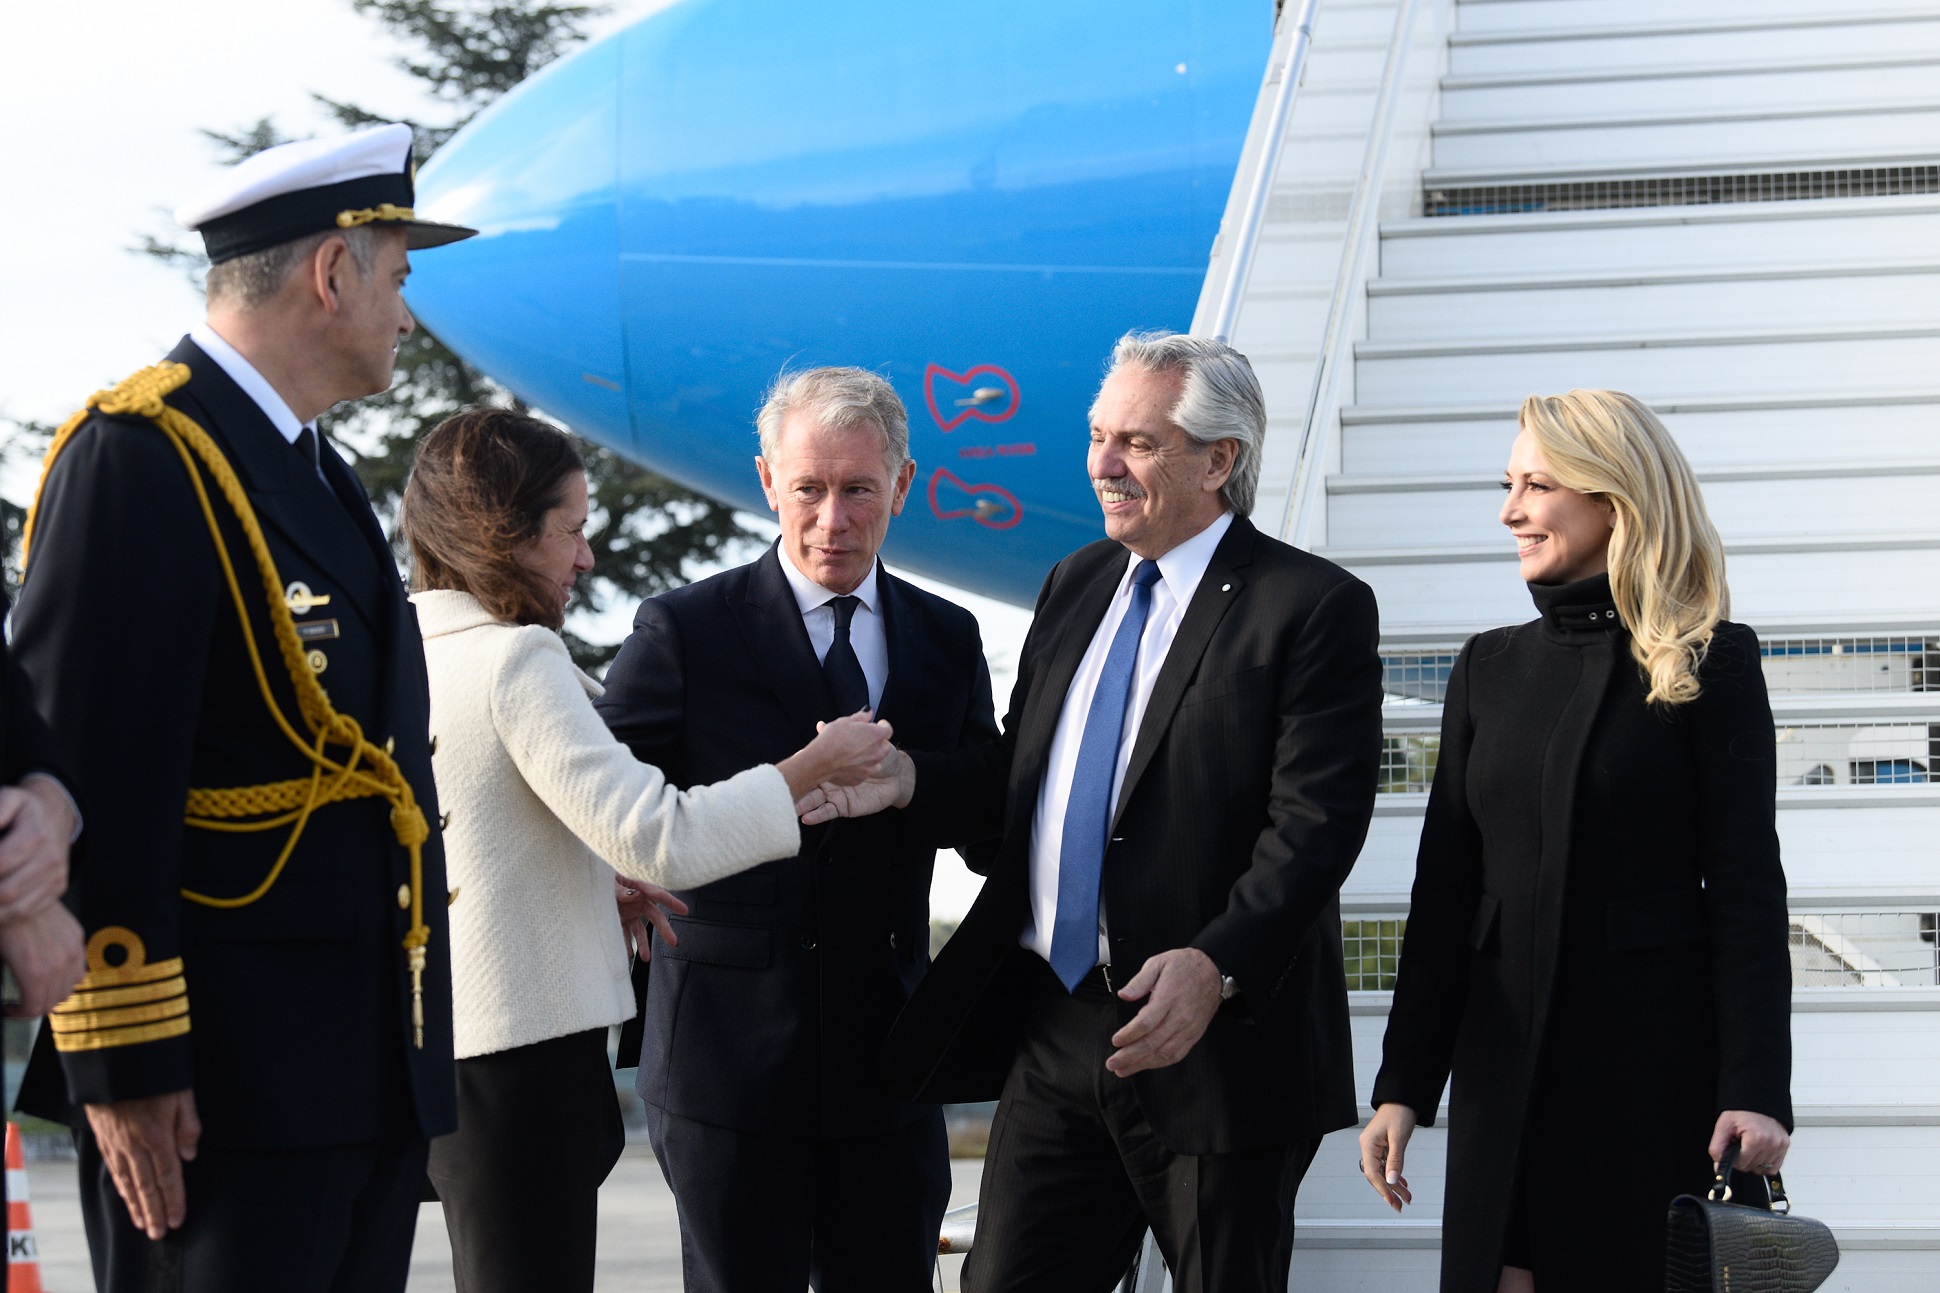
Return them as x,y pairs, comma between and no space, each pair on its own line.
1666,559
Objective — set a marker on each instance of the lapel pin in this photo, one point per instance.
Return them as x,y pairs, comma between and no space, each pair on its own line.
301,600
1225,588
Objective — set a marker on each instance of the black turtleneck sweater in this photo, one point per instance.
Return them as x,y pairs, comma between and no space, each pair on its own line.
1596,946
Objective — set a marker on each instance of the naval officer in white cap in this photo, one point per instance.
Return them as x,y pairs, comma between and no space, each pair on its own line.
216,633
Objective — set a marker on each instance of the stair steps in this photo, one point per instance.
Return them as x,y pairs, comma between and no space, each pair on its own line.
1732,211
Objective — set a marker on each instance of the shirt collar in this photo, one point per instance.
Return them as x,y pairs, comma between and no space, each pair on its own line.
809,594
1185,565
243,373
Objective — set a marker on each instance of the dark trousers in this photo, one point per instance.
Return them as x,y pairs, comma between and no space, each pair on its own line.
1074,1174
538,1131
772,1214
339,1219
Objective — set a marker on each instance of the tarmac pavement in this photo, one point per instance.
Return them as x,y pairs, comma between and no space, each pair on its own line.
639,1237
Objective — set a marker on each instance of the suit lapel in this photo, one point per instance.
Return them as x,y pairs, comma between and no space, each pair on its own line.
1039,723
354,501
899,630
287,495
1218,591
771,623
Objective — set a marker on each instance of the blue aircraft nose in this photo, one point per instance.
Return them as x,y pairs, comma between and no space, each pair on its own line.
974,198
534,300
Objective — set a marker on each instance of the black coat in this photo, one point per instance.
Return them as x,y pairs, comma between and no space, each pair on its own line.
771,1013
1596,945
299,1003
1244,805
26,745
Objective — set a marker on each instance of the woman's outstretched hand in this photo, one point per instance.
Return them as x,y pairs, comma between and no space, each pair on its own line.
1384,1145
642,905
1762,1141
846,752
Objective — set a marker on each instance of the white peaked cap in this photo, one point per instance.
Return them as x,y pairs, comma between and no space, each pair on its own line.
314,186
306,164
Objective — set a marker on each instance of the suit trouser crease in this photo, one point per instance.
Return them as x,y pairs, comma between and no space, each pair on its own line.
1075,1174
758,1213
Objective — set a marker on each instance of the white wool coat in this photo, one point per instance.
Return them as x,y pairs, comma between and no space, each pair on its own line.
544,805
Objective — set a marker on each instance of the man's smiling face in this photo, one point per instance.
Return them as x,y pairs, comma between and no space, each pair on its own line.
1157,486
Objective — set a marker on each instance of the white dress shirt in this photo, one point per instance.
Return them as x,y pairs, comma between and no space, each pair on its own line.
243,373
1180,571
865,628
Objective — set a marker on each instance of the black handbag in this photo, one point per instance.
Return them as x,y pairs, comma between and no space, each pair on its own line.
1717,1245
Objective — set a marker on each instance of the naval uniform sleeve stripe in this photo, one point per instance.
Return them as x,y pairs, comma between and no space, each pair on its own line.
107,1039
102,998
112,976
84,1021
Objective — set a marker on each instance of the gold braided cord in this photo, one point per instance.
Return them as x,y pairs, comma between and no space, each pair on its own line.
366,770
382,211
271,797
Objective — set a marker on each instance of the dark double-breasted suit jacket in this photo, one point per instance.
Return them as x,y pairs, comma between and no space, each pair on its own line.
770,1015
297,1031
1243,807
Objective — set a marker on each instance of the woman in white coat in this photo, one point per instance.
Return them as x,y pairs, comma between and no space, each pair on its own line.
544,807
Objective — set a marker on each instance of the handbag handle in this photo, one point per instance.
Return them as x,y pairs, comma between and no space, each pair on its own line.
1720,1191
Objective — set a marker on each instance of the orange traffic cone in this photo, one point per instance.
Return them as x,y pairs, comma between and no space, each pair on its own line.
23,1254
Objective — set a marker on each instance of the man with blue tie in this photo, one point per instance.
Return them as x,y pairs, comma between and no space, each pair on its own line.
1152,975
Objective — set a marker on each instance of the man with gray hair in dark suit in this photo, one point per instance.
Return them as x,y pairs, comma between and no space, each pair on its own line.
790,1161
1151,978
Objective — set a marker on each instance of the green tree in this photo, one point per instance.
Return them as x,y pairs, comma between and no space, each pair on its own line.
647,533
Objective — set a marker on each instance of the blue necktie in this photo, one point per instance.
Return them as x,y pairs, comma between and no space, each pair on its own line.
1087,813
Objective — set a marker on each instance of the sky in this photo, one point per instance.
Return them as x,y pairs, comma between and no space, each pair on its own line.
102,102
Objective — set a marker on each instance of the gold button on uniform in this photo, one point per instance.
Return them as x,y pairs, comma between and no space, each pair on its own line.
404,895
318,661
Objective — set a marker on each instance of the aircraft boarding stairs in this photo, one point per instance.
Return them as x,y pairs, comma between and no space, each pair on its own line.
1731,210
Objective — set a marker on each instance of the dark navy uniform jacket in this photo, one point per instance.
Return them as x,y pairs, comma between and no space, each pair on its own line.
297,1030
770,1015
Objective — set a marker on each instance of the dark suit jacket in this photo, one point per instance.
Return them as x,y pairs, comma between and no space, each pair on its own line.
771,1013
300,1002
26,745
1245,803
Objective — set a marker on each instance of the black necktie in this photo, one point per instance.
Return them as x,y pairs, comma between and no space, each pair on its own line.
848,685
306,447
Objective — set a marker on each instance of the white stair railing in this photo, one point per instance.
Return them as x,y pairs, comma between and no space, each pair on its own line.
1286,68
1286,282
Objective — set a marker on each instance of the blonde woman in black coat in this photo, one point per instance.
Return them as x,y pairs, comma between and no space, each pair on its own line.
1597,942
